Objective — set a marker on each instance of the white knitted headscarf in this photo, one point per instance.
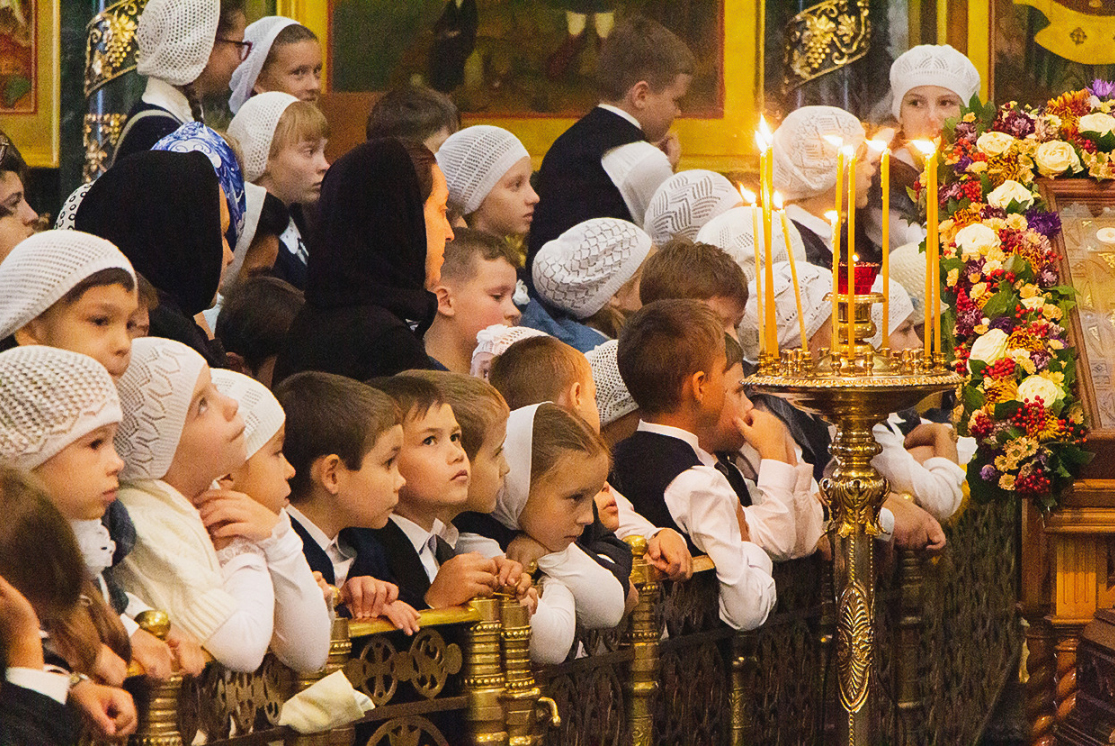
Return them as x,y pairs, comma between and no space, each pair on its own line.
254,128
612,397
734,233
933,64
518,448
814,282
474,160
907,267
254,197
44,267
900,309
262,413
68,213
175,38
495,339
262,35
804,161
155,394
580,270
50,398
685,202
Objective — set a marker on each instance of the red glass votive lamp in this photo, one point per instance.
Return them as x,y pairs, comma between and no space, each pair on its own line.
865,278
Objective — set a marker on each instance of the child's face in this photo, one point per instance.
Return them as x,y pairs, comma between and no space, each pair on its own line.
96,324
905,337
729,311
18,219
736,404
485,299
264,475
489,469
367,496
560,502
294,69
659,108
509,208
438,230
294,174
925,109
482,365
212,442
433,462
607,508
82,478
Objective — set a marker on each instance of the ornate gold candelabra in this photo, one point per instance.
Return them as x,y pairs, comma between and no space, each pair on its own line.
854,388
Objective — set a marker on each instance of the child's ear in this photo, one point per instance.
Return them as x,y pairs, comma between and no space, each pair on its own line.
28,334
637,94
225,482
328,471
235,362
570,399
444,301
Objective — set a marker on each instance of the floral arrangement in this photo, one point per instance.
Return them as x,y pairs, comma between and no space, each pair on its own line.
1007,314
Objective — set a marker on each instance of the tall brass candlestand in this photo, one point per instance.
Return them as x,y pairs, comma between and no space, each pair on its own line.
854,389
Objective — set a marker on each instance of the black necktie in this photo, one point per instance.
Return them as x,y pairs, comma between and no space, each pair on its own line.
725,466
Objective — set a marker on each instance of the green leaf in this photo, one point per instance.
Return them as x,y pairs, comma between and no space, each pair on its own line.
1006,410
977,367
999,304
973,398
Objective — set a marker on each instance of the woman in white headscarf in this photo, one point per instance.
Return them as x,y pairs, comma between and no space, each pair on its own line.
286,57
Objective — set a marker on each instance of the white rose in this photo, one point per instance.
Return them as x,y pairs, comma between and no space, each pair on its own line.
975,239
989,348
1101,124
1010,190
1034,387
1054,158
994,143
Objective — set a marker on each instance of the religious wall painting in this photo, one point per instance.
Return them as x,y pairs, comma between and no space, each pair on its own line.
17,56
29,74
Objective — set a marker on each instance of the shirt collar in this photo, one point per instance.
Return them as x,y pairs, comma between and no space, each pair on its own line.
676,432
621,113
418,536
817,225
163,94
320,538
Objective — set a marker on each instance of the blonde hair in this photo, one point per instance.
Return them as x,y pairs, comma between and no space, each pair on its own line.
301,122
558,433
537,369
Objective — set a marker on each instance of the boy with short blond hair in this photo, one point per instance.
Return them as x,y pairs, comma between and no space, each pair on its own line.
698,271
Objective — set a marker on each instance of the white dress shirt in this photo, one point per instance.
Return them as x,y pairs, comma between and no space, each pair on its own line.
937,484
339,553
424,542
637,169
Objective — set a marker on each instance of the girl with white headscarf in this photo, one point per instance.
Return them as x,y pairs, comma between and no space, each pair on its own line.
286,57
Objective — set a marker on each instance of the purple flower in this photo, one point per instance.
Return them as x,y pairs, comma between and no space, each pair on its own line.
993,212
1047,277
989,473
1040,359
1013,122
1046,223
1003,323
967,131
962,163
1102,88
951,191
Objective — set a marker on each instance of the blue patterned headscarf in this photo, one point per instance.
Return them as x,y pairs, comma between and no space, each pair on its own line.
196,136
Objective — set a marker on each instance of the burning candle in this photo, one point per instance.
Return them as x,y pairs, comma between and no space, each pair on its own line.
932,273
884,175
836,142
749,197
793,270
765,139
851,251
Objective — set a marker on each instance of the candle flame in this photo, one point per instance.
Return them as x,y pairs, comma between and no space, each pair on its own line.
748,196
830,215
848,151
834,140
778,200
764,128
927,147
877,145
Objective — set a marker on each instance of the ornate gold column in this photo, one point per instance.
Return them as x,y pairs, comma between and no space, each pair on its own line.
157,701
340,650
526,707
910,627
645,631
484,680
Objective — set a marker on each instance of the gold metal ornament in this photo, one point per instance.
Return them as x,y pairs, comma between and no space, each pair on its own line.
110,48
823,38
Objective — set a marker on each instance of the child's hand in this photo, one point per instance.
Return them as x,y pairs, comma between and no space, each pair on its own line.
922,454
187,651
632,599
526,551
402,615
366,596
765,433
153,654
914,528
110,711
511,576
109,667
19,629
671,146
668,552
227,514
744,531
529,600
461,579
326,590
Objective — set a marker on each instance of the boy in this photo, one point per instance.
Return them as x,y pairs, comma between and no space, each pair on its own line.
414,113
697,271
254,320
343,440
476,290
611,162
435,468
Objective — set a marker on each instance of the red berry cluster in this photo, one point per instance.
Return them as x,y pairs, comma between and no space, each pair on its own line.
1030,417
973,190
1002,368
1034,483
980,426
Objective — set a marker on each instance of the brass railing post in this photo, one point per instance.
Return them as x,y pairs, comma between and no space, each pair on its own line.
910,627
744,662
157,701
340,650
522,694
645,633
484,679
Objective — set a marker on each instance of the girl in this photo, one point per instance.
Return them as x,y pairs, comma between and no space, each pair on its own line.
17,219
188,49
493,342
686,202
168,214
734,233
378,249
286,57
488,173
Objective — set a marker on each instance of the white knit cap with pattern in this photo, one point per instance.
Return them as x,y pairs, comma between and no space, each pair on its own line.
44,267
685,202
50,398
814,282
254,128
175,38
580,270
933,64
155,395
68,213
733,232
612,397
474,160
495,339
900,307
262,413
804,161
907,267
262,35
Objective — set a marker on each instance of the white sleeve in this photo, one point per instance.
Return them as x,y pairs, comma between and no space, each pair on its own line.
631,522
598,593
936,484
809,515
482,545
53,685
770,518
302,625
554,625
637,169
703,505
241,641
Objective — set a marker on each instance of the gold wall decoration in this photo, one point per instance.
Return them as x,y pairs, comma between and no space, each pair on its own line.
110,49
100,133
824,38
1085,35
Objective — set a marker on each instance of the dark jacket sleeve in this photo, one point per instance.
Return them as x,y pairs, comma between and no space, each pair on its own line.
30,718
608,550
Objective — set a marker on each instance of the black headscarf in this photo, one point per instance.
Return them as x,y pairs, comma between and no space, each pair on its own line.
370,247
162,210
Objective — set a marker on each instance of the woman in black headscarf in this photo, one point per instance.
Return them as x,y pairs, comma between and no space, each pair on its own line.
380,244
168,214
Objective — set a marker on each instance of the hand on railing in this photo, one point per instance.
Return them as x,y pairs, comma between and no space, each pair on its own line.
669,553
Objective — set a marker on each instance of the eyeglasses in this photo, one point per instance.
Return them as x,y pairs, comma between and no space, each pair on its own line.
245,47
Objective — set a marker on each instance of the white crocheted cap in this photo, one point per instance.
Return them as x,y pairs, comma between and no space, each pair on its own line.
474,160
254,197
254,128
612,397
733,232
804,161
900,309
814,282
933,64
68,213
44,267
907,267
495,339
262,35
175,38
50,398
518,448
580,270
155,395
262,413
685,202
